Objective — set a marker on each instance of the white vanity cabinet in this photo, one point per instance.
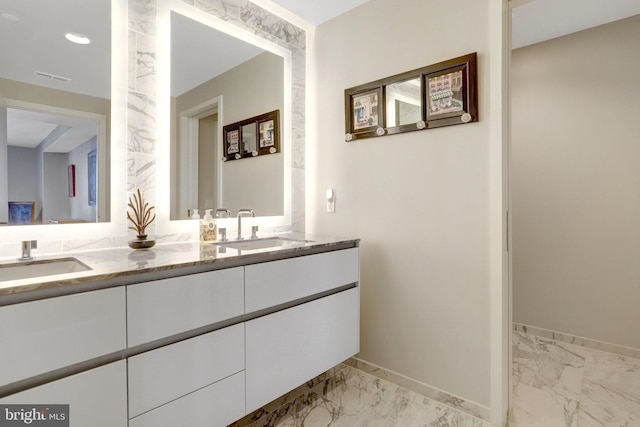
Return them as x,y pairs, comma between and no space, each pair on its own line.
198,350
289,347
96,397
41,336
171,306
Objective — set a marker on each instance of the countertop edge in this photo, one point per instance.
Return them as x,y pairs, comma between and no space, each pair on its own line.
123,277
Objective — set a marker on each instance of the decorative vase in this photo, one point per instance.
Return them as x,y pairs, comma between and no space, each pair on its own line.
141,242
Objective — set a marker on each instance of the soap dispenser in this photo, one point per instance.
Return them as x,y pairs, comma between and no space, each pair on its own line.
208,227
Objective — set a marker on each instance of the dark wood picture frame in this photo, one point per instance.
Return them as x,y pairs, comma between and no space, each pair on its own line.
453,85
451,94
265,138
364,111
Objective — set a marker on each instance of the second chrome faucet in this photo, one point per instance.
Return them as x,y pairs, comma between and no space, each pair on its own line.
241,213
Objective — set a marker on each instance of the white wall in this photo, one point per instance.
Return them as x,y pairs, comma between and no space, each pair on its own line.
576,184
55,204
79,206
421,202
22,174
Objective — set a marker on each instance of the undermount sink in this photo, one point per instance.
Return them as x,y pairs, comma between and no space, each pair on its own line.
50,267
264,243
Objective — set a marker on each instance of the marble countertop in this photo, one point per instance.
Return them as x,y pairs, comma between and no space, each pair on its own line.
122,266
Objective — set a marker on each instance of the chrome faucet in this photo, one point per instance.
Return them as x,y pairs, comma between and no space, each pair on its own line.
241,213
27,245
227,212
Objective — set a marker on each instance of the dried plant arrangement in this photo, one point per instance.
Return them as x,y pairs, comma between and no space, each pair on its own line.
142,215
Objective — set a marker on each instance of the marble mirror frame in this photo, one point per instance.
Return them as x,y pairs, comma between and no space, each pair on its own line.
117,156
250,23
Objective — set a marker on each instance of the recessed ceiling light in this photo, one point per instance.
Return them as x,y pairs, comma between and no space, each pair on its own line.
8,16
77,38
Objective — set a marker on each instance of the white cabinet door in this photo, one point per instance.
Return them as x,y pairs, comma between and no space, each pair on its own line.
167,307
287,348
276,282
96,398
160,376
217,405
40,336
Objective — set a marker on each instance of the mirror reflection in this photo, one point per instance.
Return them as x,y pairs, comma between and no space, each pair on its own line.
55,109
404,105
217,79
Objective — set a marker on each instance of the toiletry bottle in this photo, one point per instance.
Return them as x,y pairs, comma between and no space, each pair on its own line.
195,214
208,231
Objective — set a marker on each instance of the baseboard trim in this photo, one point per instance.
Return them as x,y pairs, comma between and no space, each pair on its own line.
581,341
471,408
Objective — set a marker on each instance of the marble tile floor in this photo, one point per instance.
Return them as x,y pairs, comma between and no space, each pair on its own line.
348,397
557,384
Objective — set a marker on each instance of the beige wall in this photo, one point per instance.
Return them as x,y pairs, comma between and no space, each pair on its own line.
576,184
419,201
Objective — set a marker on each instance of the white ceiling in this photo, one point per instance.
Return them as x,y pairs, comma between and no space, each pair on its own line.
30,128
539,20
318,11
199,53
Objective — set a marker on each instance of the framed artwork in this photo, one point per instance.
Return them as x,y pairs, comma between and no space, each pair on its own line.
364,112
441,94
252,137
71,177
269,133
21,213
451,96
91,176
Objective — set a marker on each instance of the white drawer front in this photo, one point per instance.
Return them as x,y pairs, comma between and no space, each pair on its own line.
219,404
170,306
160,376
277,282
96,398
287,348
40,336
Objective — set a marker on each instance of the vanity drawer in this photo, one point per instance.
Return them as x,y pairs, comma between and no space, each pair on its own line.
41,336
97,397
274,283
289,347
160,376
167,307
217,405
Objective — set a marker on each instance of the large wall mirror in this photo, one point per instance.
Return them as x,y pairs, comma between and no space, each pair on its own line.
59,131
217,79
218,74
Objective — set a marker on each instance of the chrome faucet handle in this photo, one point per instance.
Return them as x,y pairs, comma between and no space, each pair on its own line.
241,213
227,212
254,232
27,245
223,234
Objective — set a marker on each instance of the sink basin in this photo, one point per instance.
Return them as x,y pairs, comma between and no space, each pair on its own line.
265,243
50,267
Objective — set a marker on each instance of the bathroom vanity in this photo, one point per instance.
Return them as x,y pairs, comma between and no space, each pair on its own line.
183,334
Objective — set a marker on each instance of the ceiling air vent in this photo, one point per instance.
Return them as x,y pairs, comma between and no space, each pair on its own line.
51,76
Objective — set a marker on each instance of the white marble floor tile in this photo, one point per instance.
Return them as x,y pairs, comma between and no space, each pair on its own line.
358,399
561,384
610,391
546,386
